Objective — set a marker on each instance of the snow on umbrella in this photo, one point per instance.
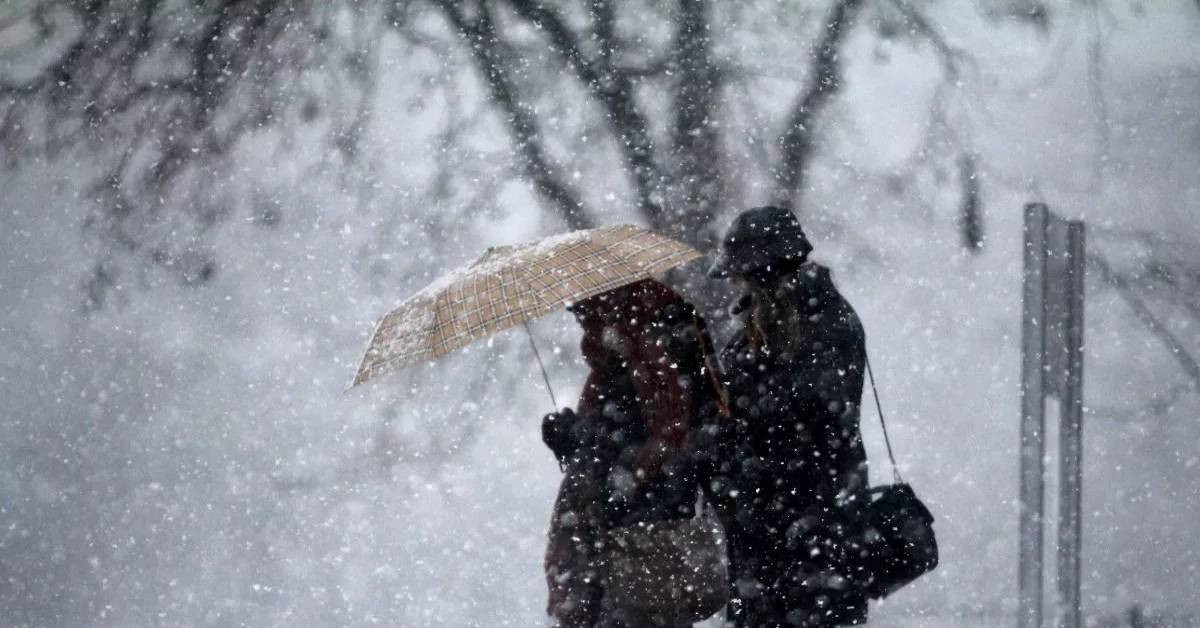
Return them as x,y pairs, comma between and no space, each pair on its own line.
510,285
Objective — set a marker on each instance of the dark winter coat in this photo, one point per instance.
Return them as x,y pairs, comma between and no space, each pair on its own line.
795,380
634,450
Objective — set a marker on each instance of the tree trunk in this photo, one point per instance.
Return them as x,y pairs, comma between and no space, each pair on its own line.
796,142
971,206
698,186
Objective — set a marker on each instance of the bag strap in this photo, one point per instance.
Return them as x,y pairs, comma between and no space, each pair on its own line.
879,408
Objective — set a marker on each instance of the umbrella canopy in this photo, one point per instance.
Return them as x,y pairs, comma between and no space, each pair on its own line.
509,285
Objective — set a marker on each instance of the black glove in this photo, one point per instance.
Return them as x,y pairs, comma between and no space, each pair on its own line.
560,432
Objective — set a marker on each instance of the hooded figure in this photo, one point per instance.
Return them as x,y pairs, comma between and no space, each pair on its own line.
794,372
635,450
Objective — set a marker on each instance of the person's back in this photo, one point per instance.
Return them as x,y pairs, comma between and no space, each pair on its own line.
795,378
627,450
795,372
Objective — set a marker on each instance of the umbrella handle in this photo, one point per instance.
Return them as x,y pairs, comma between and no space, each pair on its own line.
541,365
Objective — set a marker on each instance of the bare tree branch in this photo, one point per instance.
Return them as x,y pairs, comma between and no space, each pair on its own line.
942,134
950,56
1159,406
152,89
614,89
1167,269
1180,294
796,142
522,124
363,61
1100,108
1186,361
60,73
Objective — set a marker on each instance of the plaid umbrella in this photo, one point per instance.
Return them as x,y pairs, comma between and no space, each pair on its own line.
510,285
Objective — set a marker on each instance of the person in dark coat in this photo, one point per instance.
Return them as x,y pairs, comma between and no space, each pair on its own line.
794,373
634,449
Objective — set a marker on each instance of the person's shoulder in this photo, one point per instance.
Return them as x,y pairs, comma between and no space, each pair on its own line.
844,315
840,314
846,312
850,324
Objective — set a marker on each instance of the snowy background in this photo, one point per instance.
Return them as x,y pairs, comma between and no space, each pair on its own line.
176,448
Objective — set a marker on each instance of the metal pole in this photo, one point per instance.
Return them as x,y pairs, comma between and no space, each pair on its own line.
1033,446
541,365
1070,502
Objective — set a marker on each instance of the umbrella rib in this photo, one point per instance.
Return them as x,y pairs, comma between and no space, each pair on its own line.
542,365
362,364
437,333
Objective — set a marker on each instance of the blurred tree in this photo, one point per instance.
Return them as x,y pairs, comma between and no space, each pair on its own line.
680,176
159,93
971,211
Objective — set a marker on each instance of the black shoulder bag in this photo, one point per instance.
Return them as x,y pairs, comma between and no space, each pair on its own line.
898,541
